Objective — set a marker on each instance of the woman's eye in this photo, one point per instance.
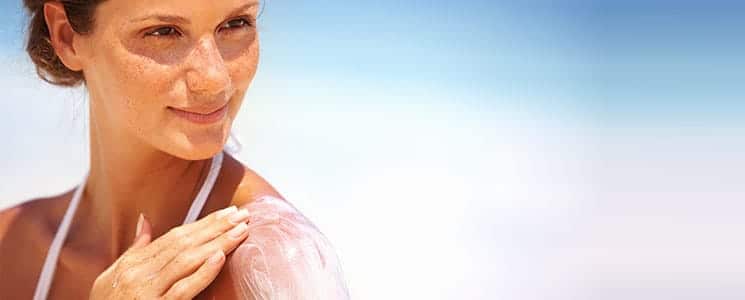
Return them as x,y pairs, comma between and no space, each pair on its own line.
237,23
163,31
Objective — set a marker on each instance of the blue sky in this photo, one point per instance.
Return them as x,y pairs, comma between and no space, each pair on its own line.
528,149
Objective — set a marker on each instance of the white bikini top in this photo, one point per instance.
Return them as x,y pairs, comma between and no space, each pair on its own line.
50,264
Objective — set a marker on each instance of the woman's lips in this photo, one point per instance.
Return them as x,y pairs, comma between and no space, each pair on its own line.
201,118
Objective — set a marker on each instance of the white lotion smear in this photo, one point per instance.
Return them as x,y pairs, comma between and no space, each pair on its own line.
285,256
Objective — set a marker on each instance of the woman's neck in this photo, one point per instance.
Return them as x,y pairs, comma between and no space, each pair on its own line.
128,177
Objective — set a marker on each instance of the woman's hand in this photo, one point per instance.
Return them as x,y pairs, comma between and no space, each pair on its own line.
179,264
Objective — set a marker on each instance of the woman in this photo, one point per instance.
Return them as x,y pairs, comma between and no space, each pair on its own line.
165,81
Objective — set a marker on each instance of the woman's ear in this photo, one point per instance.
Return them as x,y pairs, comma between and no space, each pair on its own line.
61,35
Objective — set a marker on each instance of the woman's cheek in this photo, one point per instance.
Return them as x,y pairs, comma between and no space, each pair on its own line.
147,78
241,73
242,67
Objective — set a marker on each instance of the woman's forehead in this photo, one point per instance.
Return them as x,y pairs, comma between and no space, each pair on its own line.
172,11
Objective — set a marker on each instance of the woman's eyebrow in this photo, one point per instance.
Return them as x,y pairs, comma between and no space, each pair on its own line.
181,20
243,7
163,18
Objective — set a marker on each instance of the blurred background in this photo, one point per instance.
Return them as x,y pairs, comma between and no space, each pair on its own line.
473,149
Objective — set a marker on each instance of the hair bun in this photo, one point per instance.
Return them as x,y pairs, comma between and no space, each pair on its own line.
39,47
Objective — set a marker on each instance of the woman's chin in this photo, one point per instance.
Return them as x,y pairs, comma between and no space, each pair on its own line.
196,148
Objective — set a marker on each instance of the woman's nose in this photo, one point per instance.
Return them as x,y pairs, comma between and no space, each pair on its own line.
208,73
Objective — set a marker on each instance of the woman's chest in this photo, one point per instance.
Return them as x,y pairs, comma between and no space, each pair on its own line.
22,255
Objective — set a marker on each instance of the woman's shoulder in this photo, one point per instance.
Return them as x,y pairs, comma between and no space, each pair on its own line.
285,256
42,211
282,240
7,217
250,185
18,258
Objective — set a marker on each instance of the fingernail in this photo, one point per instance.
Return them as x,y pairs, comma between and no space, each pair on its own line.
215,258
140,220
239,216
238,230
226,211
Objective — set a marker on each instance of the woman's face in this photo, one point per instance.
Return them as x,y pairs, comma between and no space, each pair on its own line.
171,73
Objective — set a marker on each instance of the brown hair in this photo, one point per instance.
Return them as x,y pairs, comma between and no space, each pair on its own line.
49,67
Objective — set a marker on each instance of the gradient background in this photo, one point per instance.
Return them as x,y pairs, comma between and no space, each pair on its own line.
474,149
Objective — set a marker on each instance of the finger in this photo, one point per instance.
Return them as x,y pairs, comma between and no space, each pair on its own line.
211,219
189,287
187,262
142,238
218,227
144,233
178,240
198,233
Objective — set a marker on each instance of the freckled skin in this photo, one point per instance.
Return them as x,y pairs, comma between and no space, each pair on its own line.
140,76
